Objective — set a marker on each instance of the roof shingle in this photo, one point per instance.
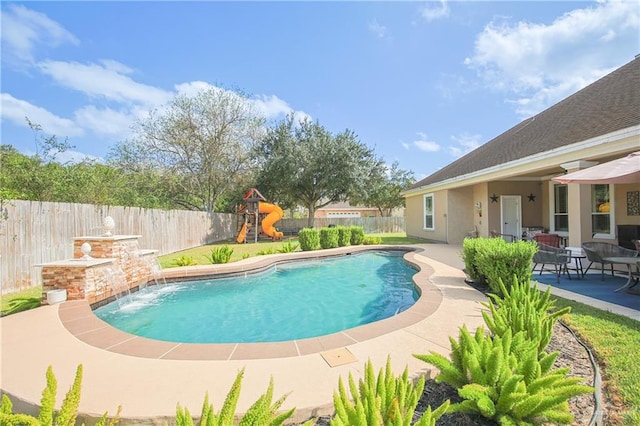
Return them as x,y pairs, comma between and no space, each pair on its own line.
609,104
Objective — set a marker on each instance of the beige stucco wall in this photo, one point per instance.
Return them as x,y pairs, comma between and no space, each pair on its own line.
532,211
456,214
460,214
415,220
481,194
580,229
622,212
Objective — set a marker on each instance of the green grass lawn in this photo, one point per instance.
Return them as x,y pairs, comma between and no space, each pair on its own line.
241,251
616,344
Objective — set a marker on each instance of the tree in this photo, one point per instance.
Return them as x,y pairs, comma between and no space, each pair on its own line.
384,189
28,178
303,163
202,144
32,177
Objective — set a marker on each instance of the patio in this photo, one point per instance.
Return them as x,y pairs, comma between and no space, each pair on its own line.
593,287
149,386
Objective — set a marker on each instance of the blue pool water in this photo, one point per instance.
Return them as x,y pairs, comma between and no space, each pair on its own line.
290,301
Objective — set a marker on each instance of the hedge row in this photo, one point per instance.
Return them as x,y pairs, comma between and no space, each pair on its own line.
330,237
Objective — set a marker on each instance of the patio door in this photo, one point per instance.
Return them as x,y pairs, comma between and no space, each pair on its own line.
510,214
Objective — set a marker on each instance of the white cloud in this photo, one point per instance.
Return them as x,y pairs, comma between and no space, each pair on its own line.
192,88
424,144
541,64
405,146
15,110
432,12
106,121
377,29
105,80
24,29
274,107
465,144
270,106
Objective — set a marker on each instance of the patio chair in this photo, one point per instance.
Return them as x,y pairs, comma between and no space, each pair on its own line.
549,255
552,240
596,253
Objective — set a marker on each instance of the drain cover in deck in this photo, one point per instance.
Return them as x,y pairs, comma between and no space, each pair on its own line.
336,357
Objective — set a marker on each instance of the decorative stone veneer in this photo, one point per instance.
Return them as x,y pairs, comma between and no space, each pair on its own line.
136,264
114,258
83,279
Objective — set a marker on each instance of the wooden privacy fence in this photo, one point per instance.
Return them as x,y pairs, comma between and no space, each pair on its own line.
33,232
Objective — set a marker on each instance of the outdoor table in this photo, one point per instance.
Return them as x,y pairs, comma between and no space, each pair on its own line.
625,260
577,254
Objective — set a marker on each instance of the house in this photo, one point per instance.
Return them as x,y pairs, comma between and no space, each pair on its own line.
505,185
345,210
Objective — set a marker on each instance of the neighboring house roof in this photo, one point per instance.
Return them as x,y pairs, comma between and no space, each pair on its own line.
344,205
607,105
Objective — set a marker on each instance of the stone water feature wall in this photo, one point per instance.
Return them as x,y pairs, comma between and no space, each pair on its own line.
93,275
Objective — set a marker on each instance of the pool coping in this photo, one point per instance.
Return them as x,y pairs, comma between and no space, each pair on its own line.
80,321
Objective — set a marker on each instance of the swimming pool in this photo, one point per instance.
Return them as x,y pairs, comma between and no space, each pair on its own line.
289,301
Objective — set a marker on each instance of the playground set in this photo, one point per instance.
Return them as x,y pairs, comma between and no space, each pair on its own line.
255,213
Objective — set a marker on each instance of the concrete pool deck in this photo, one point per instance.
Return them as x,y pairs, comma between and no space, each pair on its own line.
149,378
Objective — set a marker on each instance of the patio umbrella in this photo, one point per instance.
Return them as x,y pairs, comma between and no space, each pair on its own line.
621,170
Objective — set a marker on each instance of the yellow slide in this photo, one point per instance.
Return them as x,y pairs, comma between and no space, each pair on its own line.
274,214
242,234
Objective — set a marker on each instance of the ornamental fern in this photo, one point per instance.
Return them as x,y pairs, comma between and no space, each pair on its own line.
505,378
262,413
382,400
47,416
69,410
48,401
288,247
220,254
522,307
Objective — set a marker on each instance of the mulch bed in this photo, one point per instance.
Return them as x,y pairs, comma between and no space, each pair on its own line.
572,355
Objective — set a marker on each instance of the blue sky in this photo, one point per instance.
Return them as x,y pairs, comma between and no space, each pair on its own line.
420,82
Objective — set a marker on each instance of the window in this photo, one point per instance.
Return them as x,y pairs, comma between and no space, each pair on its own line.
428,212
560,208
601,211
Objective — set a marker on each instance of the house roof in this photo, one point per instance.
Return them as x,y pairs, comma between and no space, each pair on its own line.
344,205
609,104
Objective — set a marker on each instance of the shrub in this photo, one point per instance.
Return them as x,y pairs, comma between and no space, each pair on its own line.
266,251
495,258
20,304
523,308
503,378
371,240
469,251
309,239
288,247
47,416
184,260
262,412
220,254
329,238
357,235
384,400
344,236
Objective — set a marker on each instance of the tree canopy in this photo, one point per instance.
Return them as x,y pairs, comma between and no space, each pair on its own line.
201,144
384,189
303,163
